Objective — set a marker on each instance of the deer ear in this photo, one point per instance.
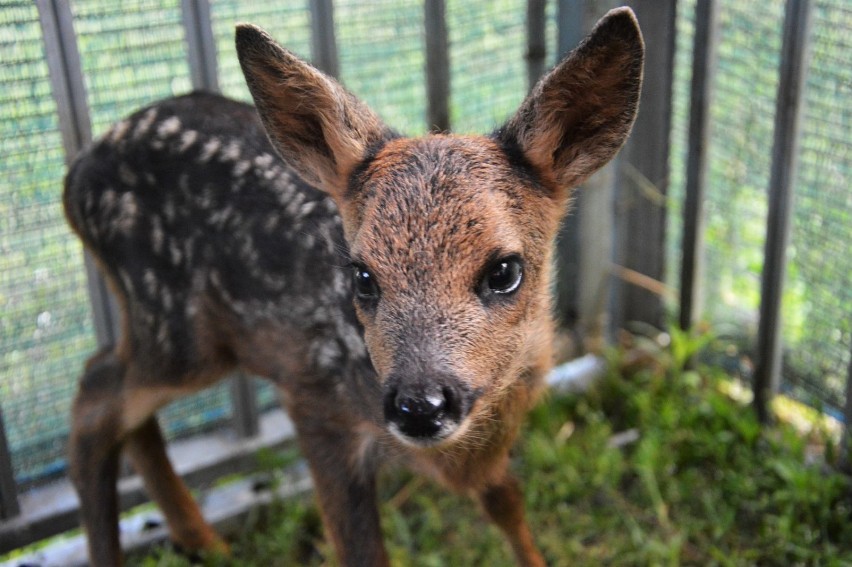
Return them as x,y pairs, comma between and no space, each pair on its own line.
578,116
318,127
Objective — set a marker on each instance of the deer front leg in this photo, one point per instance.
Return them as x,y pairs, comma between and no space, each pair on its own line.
147,451
345,488
504,504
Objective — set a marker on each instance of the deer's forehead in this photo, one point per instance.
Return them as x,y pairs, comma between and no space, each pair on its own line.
438,197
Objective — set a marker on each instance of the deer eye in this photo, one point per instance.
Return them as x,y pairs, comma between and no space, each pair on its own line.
366,287
502,277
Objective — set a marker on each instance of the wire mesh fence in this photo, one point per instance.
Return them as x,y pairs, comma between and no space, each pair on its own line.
288,22
818,306
45,327
488,74
817,302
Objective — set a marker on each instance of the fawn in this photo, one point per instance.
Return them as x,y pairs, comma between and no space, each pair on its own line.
395,290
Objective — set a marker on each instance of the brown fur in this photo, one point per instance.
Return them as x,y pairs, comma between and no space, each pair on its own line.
223,257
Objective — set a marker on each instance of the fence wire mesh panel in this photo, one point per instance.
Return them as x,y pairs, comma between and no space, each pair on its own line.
134,53
46,323
818,299
741,125
818,295
382,58
288,22
488,71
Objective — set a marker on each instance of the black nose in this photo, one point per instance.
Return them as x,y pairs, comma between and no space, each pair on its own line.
421,412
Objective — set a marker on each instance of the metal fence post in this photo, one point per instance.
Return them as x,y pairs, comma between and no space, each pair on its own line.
9,506
201,51
644,174
785,156
437,65
201,45
69,93
536,41
701,96
323,41
846,440
569,21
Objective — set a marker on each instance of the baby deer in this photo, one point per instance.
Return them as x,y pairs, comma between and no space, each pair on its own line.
395,290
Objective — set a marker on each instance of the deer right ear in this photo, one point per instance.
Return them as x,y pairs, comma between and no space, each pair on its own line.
318,127
578,116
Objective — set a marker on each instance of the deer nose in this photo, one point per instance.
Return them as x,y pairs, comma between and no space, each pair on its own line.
427,407
422,412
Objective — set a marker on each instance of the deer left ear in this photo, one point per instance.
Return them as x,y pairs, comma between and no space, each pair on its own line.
319,128
579,115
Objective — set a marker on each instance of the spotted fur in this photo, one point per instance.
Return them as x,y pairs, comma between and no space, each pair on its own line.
357,273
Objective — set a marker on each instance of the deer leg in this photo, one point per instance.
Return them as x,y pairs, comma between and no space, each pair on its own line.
346,491
146,449
504,504
94,447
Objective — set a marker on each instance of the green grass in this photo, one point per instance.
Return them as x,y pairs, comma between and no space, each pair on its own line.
703,484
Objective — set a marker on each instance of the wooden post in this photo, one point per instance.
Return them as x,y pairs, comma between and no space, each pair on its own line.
701,96
795,53
437,65
323,41
644,171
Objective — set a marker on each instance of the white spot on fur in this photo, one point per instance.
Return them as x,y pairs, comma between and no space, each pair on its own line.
150,281
231,152
219,218
166,299
263,161
187,139
168,127
144,123
126,282
119,131
174,251
205,200
157,235
209,149
327,354
128,211
307,208
271,222
241,168
163,336
108,198
127,175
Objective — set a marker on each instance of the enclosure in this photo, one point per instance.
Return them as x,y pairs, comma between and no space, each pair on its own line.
729,207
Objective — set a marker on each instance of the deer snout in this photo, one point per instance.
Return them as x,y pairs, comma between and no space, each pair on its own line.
425,412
